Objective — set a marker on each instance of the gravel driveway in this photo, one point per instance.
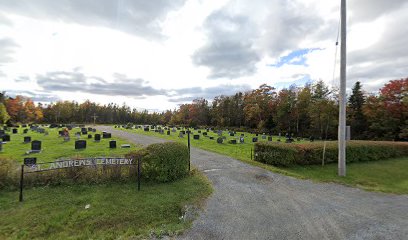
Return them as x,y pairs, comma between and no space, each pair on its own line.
252,203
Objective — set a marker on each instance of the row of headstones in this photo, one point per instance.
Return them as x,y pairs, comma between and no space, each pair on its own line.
79,144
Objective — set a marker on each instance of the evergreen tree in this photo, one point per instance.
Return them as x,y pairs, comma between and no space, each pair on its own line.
356,118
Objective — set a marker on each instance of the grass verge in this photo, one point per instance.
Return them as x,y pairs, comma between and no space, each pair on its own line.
116,210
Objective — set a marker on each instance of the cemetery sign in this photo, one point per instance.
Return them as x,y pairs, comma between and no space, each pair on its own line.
78,163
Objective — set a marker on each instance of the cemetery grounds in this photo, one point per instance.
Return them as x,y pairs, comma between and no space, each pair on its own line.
388,175
83,211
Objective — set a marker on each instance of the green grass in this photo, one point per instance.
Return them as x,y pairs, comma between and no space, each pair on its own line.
116,211
388,175
54,147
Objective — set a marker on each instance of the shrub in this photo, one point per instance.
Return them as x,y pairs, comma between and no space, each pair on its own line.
165,162
312,153
9,170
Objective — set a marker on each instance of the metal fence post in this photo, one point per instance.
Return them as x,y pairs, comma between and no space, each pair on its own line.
21,183
138,172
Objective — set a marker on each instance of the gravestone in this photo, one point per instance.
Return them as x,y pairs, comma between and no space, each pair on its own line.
80,144
125,146
211,138
89,129
263,136
61,133
106,135
242,135
93,130
270,138
232,134
30,161
6,138
255,139
219,133
174,130
89,135
257,134
69,127
15,130
27,139
183,132
146,129
220,140
196,137
312,138
181,135
168,132
35,146
233,141
205,133
97,137
25,131
24,125
2,132
112,144
241,140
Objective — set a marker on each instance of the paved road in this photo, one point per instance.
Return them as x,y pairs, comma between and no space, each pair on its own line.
252,203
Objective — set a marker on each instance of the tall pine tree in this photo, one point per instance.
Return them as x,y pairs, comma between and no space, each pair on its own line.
356,117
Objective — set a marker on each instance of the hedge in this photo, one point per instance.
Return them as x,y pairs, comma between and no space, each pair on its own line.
164,162
283,154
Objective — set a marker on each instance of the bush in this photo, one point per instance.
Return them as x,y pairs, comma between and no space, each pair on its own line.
165,162
9,170
312,153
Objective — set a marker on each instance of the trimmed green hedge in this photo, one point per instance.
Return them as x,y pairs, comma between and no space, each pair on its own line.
164,162
282,154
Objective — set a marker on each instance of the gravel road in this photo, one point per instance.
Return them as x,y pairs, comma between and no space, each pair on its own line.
252,203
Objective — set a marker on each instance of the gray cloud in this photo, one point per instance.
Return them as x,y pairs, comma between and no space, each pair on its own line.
7,49
22,79
189,94
37,96
79,82
387,59
230,50
138,17
238,39
367,10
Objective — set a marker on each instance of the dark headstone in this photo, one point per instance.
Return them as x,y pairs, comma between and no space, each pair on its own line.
211,138
196,137
97,137
61,133
27,139
183,132
168,132
30,161
199,131
205,133
233,141
25,131
242,135
112,144
89,129
255,139
269,138
146,129
15,130
106,135
80,144
89,135
263,136
232,134
36,145
6,138
220,140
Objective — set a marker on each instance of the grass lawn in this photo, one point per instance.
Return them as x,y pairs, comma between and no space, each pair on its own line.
389,175
116,210
54,147
385,176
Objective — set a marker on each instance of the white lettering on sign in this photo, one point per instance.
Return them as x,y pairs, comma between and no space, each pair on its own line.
79,163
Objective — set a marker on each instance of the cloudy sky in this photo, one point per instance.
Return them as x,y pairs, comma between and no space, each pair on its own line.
157,54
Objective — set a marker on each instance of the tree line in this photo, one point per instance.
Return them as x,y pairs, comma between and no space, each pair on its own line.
311,110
